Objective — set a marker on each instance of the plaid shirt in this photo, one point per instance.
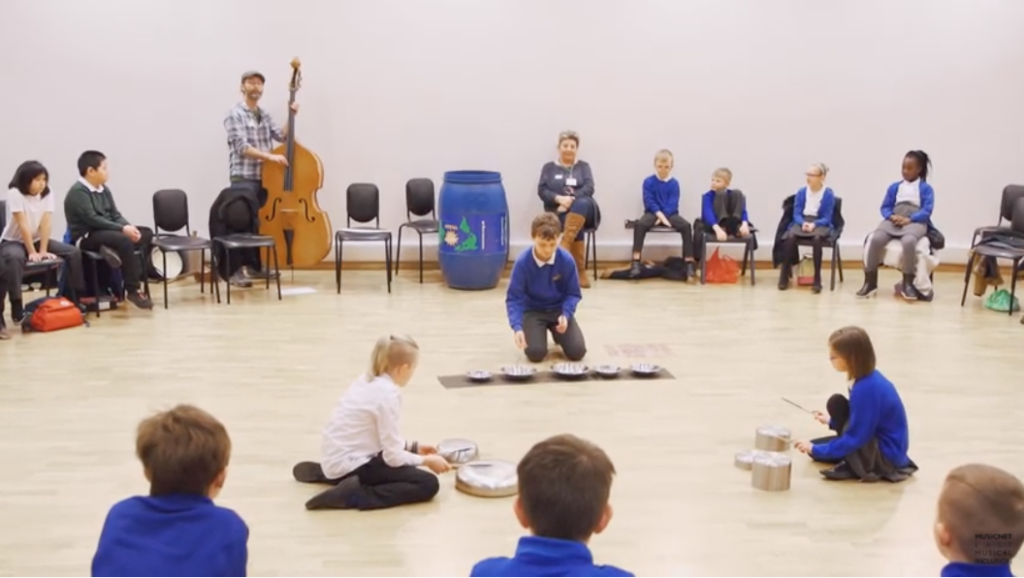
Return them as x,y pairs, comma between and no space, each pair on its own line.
244,130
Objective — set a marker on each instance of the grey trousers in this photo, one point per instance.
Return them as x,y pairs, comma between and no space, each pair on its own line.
908,235
537,324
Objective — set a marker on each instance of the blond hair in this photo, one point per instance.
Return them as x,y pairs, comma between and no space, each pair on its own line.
822,168
392,351
664,155
723,173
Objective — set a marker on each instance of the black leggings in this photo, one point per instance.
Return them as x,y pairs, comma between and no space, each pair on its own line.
382,486
838,408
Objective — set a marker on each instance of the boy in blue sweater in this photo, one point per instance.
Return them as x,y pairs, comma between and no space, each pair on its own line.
543,292
724,210
873,433
176,530
979,528
661,207
564,486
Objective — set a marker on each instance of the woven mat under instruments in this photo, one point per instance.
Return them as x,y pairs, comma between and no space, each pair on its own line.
460,381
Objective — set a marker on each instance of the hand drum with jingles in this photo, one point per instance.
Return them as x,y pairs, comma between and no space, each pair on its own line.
771,472
458,451
488,479
772,438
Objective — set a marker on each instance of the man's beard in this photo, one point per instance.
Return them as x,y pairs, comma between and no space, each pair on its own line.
254,94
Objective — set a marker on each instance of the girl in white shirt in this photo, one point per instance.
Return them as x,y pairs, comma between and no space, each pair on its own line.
26,236
363,455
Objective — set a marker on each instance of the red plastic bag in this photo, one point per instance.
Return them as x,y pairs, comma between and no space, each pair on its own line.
722,269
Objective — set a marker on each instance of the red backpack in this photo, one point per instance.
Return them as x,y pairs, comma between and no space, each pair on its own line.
52,314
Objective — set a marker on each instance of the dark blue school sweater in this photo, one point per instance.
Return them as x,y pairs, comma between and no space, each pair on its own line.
537,556
174,535
707,209
661,195
532,287
967,569
876,411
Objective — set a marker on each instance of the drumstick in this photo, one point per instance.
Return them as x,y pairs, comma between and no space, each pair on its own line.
798,406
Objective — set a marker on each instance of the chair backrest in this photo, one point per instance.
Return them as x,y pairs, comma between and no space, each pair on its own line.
170,211
419,198
362,203
838,222
1010,195
3,215
1017,215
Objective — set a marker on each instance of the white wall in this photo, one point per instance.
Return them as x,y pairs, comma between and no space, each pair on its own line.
395,90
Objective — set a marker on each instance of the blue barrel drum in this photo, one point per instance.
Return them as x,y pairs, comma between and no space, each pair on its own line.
474,229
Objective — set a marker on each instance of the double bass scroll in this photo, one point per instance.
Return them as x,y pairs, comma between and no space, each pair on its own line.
292,215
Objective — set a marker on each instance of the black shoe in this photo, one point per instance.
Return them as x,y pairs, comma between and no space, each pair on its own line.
839,473
816,287
870,284
635,269
691,270
784,276
140,300
909,292
339,497
309,473
110,256
926,297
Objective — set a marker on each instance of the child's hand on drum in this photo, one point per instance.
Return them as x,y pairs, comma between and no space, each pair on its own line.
520,339
437,464
821,417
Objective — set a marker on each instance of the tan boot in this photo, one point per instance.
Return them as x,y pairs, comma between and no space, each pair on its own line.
579,249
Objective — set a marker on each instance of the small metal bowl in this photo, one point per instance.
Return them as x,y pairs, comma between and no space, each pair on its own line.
458,451
478,375
519,372
570,370
645,369
606,370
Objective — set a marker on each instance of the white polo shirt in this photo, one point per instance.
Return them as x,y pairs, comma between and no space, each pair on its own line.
32,206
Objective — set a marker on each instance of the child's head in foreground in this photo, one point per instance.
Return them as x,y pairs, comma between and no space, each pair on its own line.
184,450
396,356
545,231
721,179
980,515
564,486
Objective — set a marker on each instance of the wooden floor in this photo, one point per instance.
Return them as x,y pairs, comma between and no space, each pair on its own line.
69,403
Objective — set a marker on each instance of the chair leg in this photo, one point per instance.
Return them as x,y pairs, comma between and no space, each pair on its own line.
967,277
839,262
214,276
95,287
398,256
832,283
337,263
164,255
1014,273
593,247
749,257
277,273
387,260
227,264
703,261
420,235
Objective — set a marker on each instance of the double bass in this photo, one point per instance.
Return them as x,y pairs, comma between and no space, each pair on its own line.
292,215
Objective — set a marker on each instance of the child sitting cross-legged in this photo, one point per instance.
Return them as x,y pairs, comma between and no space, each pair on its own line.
176,530
363,455
564,486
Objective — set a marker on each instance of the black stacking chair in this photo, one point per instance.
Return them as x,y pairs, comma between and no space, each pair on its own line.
47,269
1000,249
419,201
170,214
362,203
93,258
1009,197
238,241
838,224
631,224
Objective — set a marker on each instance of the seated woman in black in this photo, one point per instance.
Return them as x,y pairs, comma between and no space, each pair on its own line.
567,188
812,220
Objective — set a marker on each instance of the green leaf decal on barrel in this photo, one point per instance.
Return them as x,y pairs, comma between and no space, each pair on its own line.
469,241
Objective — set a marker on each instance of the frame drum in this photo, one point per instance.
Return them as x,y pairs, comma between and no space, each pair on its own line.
488,479
176,263
458,451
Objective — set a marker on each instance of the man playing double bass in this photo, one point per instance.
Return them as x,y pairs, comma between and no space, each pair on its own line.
251,134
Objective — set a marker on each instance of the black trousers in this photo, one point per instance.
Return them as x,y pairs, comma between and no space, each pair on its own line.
647,222
133,267
382,486
16,257
537,324
791,248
